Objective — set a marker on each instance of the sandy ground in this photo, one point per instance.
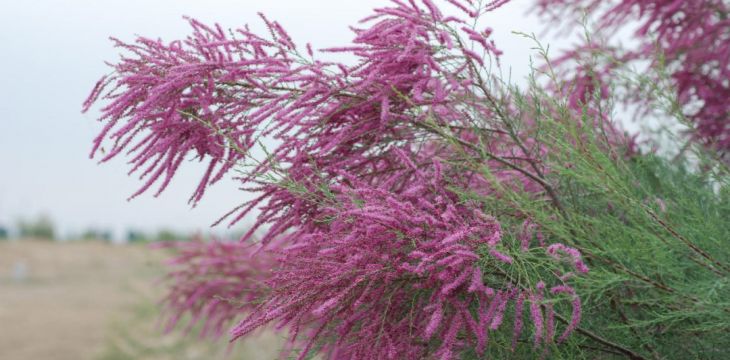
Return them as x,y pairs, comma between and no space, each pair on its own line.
91,300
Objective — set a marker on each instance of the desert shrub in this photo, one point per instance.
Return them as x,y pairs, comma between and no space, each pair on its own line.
415,205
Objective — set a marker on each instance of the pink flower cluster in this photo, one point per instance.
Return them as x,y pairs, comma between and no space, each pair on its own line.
214,283
693,36
365,250
415,273
397,268
558,250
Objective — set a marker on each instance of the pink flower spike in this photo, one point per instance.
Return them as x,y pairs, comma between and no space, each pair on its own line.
501,257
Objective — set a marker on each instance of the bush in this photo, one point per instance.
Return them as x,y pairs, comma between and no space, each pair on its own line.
40,228
416,205
99,235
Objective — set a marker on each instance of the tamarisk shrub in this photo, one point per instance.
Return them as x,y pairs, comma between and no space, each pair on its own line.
378,234
414,276
413,284
693,37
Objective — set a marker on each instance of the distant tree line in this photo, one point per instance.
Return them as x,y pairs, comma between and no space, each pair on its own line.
42,227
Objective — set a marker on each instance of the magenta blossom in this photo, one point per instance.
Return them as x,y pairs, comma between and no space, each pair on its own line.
693,38
365,247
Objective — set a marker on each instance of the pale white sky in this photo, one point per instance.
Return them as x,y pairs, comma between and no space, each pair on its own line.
51,54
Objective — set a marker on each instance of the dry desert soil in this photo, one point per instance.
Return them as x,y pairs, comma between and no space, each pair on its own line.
93,300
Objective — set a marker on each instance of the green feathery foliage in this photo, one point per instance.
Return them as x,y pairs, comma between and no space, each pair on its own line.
654,231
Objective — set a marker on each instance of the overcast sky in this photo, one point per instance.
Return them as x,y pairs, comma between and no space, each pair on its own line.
51,54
